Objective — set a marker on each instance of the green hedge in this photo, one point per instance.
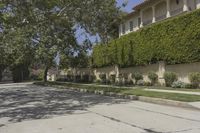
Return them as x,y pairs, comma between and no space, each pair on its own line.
176,40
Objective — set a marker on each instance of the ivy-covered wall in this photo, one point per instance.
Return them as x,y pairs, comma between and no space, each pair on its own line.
176,40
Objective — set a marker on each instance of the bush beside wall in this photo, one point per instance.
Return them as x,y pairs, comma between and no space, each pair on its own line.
170,78
195,79
175,40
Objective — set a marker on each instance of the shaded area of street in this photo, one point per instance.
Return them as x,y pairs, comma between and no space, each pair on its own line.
26,102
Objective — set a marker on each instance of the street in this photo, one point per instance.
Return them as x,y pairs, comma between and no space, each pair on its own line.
26,108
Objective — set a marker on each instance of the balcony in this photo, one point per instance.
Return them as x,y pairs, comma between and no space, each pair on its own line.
147,22
176,12
162,17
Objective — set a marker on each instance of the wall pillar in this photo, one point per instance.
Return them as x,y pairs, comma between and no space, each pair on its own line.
116,73
141,19
154,14
81,75
185,6
161,72
95,74
74,74
168,9
90,75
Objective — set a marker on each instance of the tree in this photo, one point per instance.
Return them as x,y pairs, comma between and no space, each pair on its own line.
79,58
47,28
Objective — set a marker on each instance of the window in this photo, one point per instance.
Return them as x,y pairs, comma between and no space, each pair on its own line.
131,25
123,29
177,2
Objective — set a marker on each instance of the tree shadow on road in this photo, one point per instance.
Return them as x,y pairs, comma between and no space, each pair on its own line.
34,102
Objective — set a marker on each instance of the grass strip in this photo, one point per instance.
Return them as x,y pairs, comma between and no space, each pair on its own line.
127,91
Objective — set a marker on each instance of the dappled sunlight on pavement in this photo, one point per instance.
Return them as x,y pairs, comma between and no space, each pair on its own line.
26,108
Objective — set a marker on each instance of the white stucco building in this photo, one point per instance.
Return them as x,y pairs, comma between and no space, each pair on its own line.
152,11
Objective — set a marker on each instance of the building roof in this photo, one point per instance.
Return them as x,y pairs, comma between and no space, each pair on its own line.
128,16
137,8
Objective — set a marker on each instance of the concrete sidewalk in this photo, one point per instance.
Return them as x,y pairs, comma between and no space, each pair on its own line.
193,104
174,91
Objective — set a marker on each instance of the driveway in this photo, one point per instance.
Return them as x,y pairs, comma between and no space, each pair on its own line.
26,108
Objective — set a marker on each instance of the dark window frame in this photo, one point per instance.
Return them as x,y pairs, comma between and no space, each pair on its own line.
123,28
131,25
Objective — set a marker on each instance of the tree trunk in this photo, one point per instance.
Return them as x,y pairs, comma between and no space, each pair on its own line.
45,74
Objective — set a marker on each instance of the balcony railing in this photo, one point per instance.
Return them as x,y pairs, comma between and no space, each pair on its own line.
147,22
176,12
159,18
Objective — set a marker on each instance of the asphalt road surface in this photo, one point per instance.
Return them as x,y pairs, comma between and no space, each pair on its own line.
26,108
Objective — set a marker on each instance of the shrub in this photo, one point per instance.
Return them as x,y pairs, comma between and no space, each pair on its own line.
37,75
175,41
120,81
147,84
141,82
97,81
77,78
103,78
92,78
128,82
153,77
85,78
137,76
20,73
189,86
112,78
108,82
178,84
195,79
61,80
170,78
69,78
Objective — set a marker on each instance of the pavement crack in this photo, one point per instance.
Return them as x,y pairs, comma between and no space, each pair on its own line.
174,116
126,123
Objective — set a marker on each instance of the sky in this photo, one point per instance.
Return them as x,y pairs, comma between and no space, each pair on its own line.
130,4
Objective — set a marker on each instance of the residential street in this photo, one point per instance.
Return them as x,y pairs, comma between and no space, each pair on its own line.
26,108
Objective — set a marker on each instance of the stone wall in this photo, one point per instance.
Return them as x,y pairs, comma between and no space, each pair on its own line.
160,68
183,70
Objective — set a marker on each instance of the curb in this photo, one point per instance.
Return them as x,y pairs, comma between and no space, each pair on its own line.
167,102
132,97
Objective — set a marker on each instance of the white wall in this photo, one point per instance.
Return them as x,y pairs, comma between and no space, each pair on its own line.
182,70
127,24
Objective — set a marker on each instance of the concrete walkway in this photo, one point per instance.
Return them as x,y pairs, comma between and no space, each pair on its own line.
194,104
174,91
25,108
